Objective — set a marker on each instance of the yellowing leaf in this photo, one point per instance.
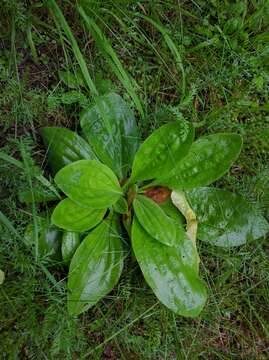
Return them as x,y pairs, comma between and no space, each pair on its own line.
2,277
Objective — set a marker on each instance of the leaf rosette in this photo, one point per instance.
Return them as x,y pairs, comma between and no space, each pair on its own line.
155,192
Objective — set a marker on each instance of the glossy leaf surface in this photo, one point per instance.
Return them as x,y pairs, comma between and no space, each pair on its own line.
70,243
70,216
50,242
49,238
188,252
95,267
89,183
190,255
109,126
162,150
224,218
154,220
209,158
176,284
64,147
170,210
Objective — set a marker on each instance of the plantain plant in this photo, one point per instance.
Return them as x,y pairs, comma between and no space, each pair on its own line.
152,198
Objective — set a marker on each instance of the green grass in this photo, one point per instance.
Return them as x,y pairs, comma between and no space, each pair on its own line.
206,61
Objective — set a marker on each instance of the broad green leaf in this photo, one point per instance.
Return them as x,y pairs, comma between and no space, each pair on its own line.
155,221
110,128
191,256
95,267
89,183
70,216
70,243
162,150
169,208
50,242
49,238
209,158
188,252
121,206
175,283
226,219
64,147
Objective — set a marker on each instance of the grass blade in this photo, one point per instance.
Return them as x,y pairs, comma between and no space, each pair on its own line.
112,58
9,159
31,42
172,47
60,19
34,210
7,223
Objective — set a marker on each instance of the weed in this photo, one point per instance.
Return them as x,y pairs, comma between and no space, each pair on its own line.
224,52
